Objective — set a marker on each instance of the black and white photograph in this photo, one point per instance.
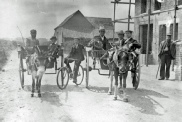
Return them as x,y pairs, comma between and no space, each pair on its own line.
90,61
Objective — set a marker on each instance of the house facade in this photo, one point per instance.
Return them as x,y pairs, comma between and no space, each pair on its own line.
161,23
77,25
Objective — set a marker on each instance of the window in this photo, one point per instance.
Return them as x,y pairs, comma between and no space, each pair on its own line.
143,6
179,2
143,38
171,31
157,5
162,33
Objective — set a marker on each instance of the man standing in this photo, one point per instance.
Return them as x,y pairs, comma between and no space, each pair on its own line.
30,43
134,47
121,39
166,54
77,53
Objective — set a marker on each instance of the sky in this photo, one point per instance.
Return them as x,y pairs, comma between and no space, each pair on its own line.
45,15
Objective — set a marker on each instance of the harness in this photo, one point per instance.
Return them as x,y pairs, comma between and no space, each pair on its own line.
33,58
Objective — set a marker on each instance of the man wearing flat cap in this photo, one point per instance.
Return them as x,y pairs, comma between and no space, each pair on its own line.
76,55
167,53
29,44
121,39
134,47
32,41
53,47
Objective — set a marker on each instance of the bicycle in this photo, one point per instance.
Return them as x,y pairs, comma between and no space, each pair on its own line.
63,76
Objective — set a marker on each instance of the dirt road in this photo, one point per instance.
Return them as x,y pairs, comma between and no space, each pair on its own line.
154,101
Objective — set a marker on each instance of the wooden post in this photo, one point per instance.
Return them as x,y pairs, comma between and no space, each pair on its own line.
174,28
87,69
62,47
148,33
129,15
114,22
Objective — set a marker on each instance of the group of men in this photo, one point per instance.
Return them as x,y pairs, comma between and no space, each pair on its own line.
77,51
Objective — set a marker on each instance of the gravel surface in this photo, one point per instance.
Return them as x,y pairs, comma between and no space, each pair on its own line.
154,101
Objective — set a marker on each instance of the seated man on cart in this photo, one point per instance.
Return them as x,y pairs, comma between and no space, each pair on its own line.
76,55
29,45
54,49
99,42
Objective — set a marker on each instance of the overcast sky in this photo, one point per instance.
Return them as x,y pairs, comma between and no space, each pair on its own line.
45,15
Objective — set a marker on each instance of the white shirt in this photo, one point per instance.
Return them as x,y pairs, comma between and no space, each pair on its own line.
102,38
127,40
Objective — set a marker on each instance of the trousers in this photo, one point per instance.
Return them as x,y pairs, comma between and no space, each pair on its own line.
165,66
76,67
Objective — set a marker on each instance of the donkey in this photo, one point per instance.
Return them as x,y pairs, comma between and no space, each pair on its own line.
38,60
121,64
118,63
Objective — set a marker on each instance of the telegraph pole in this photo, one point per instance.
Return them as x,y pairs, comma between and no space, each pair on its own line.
174,27
114,21
148,33
129,15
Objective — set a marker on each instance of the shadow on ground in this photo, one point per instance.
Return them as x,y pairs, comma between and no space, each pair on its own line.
54,88
54,95
142,99
98,89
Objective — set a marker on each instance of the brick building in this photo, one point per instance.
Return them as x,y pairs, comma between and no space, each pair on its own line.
161,24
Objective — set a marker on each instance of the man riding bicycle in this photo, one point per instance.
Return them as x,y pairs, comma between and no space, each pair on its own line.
76,55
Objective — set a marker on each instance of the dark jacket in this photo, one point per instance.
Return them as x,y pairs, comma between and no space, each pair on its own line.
172,49
120,42
134,42
105,43
77,52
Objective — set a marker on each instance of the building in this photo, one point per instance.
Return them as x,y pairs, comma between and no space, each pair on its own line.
161,24
77,25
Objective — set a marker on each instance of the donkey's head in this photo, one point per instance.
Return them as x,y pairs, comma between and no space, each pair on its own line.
123,58
40,60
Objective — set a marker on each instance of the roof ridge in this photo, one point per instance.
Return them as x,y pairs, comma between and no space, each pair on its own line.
67,18
99,17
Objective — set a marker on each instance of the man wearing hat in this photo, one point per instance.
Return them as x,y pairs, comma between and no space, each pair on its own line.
29,44
134,47
166,54
76,55
121,40
105,43
53,44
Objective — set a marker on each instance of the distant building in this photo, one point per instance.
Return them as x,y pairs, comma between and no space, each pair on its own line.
77,25
161,24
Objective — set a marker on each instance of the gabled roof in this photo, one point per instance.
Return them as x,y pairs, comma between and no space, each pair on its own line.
69,17
66,19
97,22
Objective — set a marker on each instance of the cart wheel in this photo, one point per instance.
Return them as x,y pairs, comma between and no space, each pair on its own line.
80,75
137,75
62,78
21,72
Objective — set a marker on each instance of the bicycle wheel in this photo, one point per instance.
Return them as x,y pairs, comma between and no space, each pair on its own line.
62,78
80,75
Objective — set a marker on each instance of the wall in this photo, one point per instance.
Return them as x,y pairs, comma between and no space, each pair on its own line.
157,20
